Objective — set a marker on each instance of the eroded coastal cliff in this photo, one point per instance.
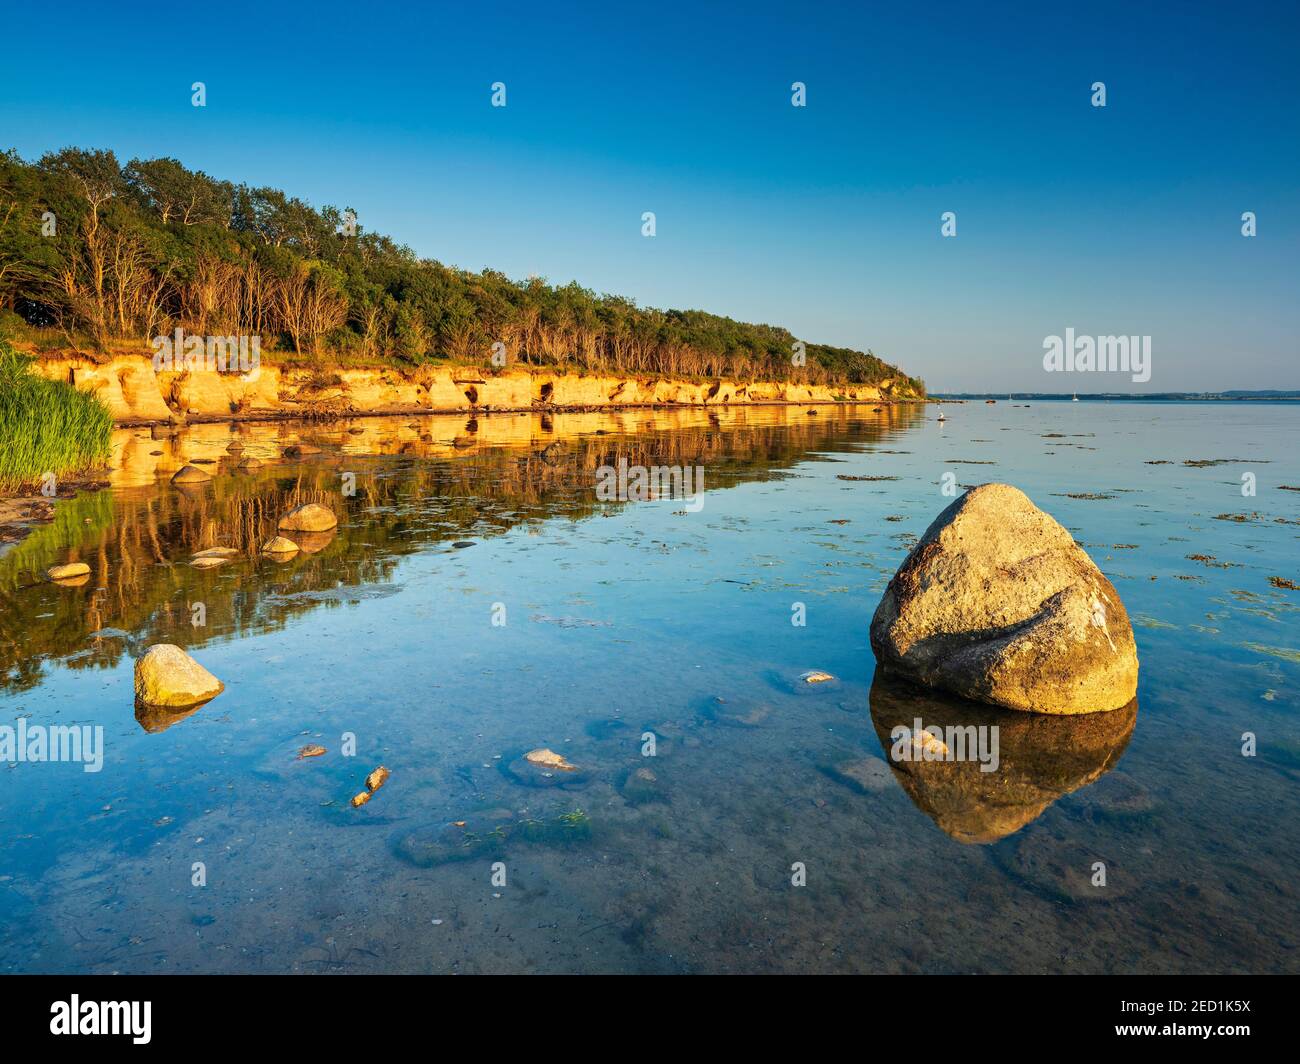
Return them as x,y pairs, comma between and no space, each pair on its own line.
137,394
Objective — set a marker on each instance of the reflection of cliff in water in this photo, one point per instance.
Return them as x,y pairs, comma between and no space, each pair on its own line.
1041,758
418,482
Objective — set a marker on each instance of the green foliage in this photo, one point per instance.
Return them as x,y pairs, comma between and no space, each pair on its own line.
46,426
143,247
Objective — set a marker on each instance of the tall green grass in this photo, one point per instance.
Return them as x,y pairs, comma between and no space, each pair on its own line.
46,426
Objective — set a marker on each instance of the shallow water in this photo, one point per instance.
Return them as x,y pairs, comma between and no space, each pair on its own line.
627,618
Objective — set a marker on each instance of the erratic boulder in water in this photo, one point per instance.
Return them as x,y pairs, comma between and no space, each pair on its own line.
167,676
997,603
311,517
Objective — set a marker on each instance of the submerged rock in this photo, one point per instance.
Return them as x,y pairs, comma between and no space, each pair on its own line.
215,552
608,728
167,676
190,474
997,603
642,786
483,834
474,837
743,714
310,517
1063,865
299,450
868,774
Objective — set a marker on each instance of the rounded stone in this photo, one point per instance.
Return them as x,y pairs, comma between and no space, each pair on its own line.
997,603
190,474
310,517
167,676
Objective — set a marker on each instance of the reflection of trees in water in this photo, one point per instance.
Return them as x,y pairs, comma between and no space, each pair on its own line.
138,542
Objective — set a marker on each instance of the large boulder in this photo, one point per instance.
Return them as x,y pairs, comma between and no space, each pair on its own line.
997,603
167,676
311,517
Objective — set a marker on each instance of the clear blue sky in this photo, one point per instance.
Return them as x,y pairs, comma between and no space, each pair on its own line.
823,219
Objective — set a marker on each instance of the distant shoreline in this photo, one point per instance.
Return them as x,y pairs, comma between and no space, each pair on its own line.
1123,397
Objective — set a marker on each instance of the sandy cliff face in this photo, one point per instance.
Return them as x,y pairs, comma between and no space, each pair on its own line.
134,392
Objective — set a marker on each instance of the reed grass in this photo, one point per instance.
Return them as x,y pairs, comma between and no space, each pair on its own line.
46,426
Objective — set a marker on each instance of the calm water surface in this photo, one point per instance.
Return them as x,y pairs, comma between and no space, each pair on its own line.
627,618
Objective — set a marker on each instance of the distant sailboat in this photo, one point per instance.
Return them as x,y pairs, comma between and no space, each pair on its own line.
941,416
1076,398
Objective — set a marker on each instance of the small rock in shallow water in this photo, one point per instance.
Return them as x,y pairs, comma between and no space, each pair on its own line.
310,517
311,750
1116,796
527,770
736,714
921,746
813,676
549,759
641,786
280,545
867,774
377,779
1064,865
167,676
605,729
67,572
190,474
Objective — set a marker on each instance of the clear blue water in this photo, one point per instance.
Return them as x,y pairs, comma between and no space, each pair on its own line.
628,618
